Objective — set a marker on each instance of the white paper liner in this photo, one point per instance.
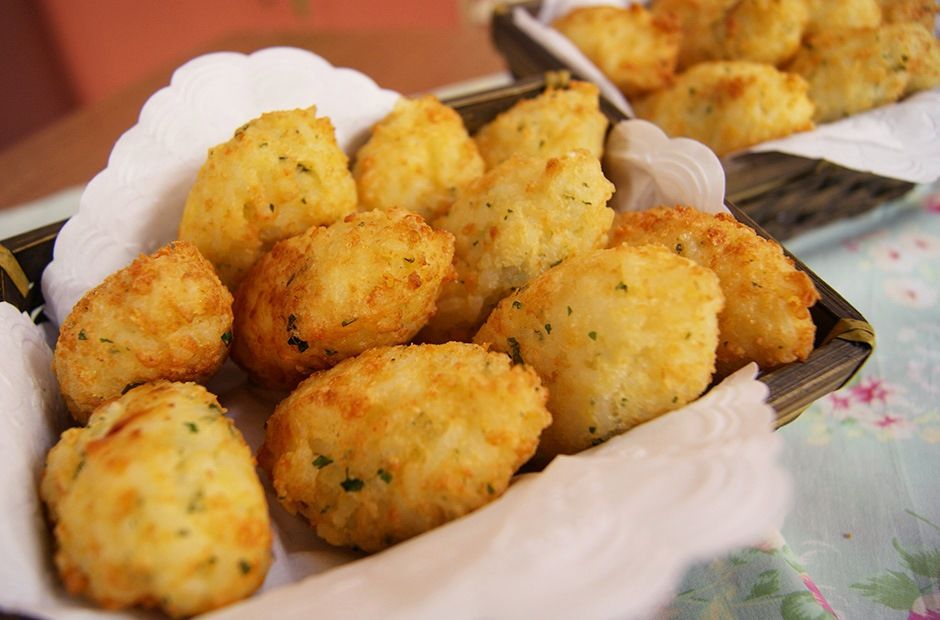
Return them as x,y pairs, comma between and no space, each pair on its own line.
32,414
606,533
900,141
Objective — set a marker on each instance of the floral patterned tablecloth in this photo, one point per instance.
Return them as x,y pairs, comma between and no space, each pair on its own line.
862,539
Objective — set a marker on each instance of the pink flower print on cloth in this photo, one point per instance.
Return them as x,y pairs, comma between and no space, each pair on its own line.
890,426
926,607
870,391
873,408
875,405
906,252
817,595
920,244
893,257
932,204
911,292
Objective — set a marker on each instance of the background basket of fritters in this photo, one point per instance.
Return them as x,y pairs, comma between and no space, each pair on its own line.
843,339
784,194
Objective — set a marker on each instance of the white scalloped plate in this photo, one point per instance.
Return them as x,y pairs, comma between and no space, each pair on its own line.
135,204
607,533
900,140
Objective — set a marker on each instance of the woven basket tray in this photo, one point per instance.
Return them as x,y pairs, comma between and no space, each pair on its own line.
785,194
844,339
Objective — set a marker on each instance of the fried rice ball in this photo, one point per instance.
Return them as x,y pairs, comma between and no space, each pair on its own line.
898,11
280,174
513,223
333,292
555,122
399,440
730,105
164,316
850,71
699,21
156,503
925,65
767,31
632,46
618,336
766,318
416,158
826,15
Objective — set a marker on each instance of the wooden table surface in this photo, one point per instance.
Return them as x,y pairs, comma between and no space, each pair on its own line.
75,148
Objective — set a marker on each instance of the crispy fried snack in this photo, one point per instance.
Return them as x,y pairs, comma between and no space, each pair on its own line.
850,71
766,318
767,31
924,67
280,174
829,16
700,22
331,293
512,224
417,158
156,503
898,11
402,439
165,316
635,48
549,125
619,336
730,105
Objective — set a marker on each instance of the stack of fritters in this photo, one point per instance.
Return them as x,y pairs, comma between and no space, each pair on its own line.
734,73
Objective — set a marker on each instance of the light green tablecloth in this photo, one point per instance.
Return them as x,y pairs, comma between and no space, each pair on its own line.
862,540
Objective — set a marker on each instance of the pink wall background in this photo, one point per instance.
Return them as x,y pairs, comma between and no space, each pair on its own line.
105,44
57,55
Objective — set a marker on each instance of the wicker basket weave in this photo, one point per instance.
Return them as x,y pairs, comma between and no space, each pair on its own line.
785,194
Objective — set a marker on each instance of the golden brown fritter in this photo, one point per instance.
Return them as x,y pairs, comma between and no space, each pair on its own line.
553,123
731,105
829,16
899,11
633,47
402,439
924,66
156,503
850,71
164,316
280,174
700,22
416,159
333,292
766,317
619,336
512,224
767,31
